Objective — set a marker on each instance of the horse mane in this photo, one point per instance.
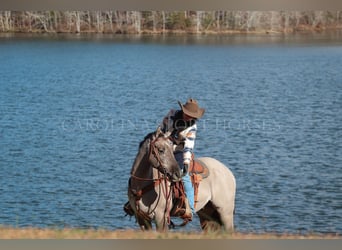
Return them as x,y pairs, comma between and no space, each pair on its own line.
140,156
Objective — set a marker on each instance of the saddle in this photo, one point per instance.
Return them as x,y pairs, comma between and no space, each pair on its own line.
197,171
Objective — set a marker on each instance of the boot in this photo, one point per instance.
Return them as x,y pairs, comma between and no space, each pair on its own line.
188,213
128,209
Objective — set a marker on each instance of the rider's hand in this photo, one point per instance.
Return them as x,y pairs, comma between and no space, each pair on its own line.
186,168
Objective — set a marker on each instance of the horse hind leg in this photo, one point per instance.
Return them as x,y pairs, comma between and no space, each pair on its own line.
227,220
210,218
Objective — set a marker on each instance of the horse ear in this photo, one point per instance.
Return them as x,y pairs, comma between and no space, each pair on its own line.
167,134
159,132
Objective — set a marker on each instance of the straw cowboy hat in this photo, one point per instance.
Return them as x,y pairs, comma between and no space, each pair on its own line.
192,109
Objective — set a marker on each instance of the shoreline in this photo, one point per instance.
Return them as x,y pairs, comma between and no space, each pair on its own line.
74,233
183,32
303,29
332,33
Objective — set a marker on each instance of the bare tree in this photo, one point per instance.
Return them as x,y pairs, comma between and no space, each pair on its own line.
275,22
164,21
110,20
55,19
137,21
218,17
6,21
198,21
154,21
99,24
77,21
318,19
42,20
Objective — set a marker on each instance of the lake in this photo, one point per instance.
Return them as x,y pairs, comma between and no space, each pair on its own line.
73,110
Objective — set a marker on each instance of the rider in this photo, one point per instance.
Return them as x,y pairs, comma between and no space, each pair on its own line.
181,124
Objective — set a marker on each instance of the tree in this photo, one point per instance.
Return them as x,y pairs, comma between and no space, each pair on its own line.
198,21
162,21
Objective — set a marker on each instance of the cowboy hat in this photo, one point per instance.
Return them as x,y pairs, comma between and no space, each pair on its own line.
192,109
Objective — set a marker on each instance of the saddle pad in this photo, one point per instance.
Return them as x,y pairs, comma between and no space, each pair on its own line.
198,167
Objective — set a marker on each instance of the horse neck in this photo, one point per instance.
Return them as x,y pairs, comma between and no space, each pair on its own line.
142,170
141,167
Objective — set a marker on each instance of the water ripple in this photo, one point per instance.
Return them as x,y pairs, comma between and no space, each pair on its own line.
73,114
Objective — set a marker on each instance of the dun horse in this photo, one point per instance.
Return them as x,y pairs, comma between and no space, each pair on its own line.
150,193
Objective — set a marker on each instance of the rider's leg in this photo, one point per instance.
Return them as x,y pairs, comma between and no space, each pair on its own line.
188,188
189,191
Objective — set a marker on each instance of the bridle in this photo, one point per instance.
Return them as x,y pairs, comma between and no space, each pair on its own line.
163,177
155,153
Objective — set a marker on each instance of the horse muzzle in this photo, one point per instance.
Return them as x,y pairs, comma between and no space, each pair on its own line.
175,177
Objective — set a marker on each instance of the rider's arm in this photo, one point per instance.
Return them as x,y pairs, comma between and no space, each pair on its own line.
167,123
189,143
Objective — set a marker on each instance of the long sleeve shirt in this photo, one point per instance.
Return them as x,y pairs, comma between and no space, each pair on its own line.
183,133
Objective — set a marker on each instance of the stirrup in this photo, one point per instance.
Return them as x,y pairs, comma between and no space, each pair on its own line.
128,209
188,212
179,212
187,217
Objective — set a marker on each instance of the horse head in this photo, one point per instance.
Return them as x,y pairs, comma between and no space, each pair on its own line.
161,156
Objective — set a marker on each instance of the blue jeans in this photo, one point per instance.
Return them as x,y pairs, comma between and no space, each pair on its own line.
188,188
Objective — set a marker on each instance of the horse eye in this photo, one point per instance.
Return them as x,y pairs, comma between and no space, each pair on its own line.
161,150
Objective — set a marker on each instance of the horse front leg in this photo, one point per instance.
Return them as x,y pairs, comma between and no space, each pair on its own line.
162,221
144,224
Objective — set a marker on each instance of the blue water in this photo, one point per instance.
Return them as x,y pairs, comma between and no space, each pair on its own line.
74,109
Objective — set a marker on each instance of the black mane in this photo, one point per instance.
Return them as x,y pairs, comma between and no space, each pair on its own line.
148,136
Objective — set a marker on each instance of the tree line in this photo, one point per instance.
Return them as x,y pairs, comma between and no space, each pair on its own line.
139,22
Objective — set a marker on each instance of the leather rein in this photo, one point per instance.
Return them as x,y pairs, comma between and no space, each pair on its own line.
162,178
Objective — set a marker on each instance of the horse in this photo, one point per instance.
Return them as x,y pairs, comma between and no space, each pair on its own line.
153,173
